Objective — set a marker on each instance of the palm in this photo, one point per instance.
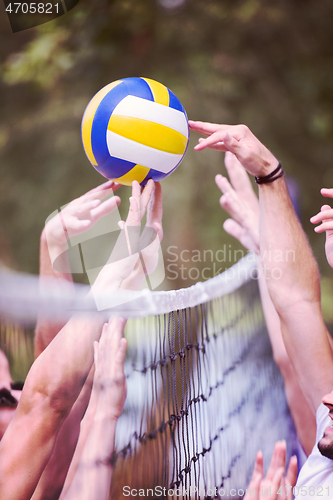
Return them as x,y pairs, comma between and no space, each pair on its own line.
81,214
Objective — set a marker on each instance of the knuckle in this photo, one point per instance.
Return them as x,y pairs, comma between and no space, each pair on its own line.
244,128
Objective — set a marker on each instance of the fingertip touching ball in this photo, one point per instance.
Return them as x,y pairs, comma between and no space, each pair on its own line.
135,129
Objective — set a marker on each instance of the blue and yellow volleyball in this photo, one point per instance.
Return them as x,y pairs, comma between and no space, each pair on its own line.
135,129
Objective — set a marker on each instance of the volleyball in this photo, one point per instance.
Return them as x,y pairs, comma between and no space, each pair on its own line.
135,129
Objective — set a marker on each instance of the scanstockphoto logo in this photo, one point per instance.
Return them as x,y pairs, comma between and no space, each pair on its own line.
104,252
29,14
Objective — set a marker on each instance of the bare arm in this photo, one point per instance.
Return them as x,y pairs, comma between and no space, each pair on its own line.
53,477
46,331
54,383
89,477
77,217
240,201
296,294
276,485
51,388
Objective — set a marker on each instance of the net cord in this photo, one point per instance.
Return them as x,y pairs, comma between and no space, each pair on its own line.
22,300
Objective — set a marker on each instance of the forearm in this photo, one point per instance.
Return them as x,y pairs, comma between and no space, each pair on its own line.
60,372
271,317
294,286
85,427
302,415
51,388
92,479
60,464
46,330
285,252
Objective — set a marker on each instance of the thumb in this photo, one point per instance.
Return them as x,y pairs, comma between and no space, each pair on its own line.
158,228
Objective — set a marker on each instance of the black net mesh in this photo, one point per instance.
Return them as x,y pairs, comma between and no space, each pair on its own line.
203,391
203,396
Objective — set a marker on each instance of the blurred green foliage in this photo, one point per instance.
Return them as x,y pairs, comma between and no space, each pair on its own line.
266,64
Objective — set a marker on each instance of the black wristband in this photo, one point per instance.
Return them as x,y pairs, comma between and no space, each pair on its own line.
278,172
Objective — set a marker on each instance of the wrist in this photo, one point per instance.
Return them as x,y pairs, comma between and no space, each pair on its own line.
105,285
53,244
271,177
135,280
268,166
104,414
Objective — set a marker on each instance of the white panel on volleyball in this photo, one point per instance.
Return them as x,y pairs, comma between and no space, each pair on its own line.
137,153
136,107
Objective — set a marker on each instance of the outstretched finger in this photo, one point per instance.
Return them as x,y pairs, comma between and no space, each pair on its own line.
278,459
325,213
278,484
155,206
234,229
291,476
258,472
214,139
102,187
230,203
258,465
327,192
146,196
240,181
121,353
223,184
105,208
235,171
98,193
133,217
324,226
205,127
107,332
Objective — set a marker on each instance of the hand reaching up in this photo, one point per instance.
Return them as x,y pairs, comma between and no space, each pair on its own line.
109,379
325,217
81,214
275,485
241,203
239,140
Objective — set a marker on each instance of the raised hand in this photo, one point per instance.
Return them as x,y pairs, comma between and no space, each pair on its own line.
241,203
275,485
153,233
239,140
125,254
109,379
81,214
149,241
325,217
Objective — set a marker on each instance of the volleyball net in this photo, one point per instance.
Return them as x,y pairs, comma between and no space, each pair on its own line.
203,392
